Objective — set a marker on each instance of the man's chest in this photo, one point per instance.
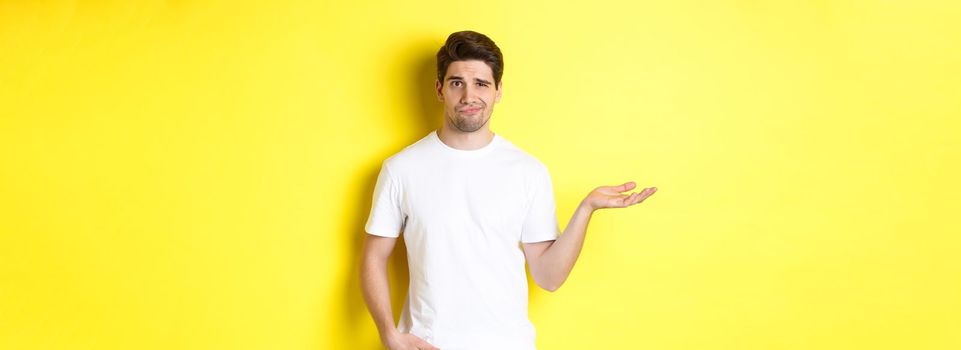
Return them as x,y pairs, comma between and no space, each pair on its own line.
488,199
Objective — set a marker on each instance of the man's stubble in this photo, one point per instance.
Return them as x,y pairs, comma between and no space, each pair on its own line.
470,123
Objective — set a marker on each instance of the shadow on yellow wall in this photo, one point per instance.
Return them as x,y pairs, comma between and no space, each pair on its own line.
425,116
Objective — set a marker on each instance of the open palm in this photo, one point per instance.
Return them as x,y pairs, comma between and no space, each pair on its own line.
611,196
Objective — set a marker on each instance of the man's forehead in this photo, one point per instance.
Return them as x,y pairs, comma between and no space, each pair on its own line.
470,69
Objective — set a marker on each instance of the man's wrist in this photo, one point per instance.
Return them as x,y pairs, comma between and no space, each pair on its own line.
585,207
389,332
388,336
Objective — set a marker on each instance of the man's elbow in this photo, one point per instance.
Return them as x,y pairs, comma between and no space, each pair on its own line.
551,286
548,279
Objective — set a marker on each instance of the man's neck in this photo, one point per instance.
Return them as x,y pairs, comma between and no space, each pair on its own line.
467,141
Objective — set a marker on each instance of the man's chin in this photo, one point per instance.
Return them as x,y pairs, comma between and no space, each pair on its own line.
469,127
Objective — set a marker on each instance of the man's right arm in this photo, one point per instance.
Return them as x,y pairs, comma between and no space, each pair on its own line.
376,289
374,281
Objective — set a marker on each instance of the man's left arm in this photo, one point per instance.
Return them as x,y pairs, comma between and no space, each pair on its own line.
551,262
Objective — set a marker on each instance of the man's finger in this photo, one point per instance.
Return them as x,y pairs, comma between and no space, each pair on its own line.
647,192
627,186
637,197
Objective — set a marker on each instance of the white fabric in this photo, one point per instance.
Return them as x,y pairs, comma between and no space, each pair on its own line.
463,214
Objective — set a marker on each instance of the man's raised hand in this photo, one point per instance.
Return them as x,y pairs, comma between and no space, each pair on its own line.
611,197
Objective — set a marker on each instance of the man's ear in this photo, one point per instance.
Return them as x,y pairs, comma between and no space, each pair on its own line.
500,88
439,89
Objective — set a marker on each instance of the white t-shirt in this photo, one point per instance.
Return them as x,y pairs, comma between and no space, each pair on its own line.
464,214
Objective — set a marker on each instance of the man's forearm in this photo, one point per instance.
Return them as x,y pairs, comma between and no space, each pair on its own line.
558,260
376,289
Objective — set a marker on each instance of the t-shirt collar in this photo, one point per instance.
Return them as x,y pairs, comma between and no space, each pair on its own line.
490,145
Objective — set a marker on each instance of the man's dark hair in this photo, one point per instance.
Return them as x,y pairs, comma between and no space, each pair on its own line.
470,45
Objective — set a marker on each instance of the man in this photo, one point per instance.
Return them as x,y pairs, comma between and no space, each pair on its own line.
472,207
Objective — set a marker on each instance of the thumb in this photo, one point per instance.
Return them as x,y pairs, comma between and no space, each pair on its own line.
627,186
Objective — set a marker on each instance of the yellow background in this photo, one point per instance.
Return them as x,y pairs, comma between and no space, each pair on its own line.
196,174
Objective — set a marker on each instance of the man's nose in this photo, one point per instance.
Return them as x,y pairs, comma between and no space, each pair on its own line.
469,95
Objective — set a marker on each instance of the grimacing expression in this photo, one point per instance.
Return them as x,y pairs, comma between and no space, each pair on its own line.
469,94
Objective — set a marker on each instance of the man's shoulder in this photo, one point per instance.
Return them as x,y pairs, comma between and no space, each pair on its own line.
521,156
410,156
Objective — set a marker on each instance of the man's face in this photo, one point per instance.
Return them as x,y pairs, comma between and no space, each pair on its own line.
468,94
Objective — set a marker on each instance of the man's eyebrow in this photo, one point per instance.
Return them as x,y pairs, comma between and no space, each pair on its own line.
482,81
454,77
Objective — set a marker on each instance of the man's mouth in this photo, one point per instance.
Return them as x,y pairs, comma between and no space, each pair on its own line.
470,110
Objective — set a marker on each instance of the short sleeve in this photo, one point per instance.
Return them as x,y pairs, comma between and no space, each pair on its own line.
540,224
386,218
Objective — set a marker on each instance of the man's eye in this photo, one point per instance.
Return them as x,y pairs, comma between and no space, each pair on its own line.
455,83
482,84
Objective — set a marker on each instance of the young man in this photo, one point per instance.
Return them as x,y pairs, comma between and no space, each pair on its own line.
472,207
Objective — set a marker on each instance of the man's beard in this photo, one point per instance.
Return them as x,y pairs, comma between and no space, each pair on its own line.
469,123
